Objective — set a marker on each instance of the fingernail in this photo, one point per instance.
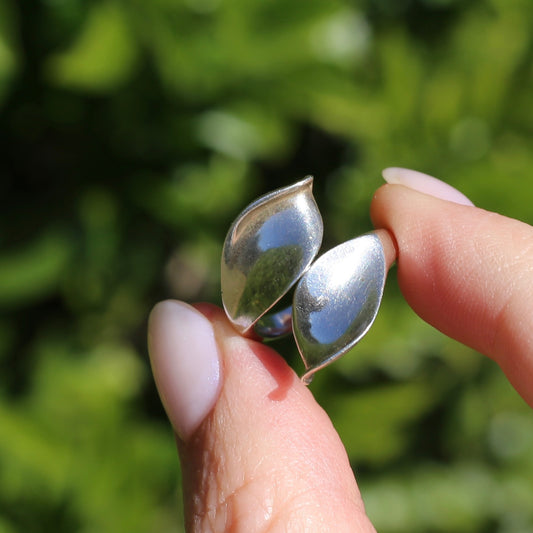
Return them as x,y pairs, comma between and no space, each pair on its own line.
185,363
424,183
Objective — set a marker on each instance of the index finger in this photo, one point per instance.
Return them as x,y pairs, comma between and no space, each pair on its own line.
466,271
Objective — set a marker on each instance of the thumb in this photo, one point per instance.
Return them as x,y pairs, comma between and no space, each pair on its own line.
257,452
464,270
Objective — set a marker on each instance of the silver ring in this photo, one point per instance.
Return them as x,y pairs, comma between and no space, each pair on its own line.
270,248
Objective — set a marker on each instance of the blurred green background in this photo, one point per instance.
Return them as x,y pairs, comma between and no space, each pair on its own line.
131,135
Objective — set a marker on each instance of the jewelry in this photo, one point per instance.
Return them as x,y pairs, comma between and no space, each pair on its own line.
270,247
267,249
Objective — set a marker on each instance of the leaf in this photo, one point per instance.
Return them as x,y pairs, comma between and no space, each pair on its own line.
103,56
34,271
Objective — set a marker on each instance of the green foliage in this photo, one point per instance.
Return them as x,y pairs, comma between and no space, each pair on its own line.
103,55
34,271
8,60
132,133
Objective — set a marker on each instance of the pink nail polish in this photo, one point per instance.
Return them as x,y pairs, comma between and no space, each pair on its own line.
424,183
185,363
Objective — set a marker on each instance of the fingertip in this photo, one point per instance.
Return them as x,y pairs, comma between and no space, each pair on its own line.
379,204
209,310
185,362
390,246
467,272
265,426
425,183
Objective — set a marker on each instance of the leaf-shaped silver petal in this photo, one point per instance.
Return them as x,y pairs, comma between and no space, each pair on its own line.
337,300
268,247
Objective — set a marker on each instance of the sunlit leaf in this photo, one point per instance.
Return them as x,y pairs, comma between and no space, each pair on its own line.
103,56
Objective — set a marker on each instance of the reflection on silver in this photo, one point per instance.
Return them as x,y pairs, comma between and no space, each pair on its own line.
275,325
271,246
267,249
337,300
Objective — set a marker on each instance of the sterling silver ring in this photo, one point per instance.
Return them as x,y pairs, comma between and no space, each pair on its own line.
270,248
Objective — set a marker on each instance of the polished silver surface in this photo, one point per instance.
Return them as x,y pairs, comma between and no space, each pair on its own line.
275,325
267,249
337,300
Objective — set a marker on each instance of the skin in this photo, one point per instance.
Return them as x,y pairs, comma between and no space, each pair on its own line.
266,458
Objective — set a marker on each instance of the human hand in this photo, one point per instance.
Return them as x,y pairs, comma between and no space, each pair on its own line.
257,452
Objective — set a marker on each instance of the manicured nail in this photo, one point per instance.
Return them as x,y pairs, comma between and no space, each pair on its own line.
185,363
424,183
